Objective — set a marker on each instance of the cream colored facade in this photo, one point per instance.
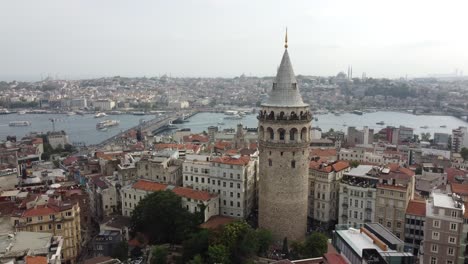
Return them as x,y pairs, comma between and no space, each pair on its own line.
59,218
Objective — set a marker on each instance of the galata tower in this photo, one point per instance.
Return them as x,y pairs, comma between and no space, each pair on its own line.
283,135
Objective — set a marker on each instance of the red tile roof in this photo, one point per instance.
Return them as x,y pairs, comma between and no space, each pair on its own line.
460,188
193,194
37,141
196,138
36,260
416,207
149,186
337,166
217,221
242,160
38,211
334,258
452,172
323,152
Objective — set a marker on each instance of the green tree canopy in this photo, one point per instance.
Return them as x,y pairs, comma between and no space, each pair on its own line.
218,254
196,245
425,136
161,217
314,246
159,255
464,153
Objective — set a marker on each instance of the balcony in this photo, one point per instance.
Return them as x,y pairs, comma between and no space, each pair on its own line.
344,216
368,209
344,205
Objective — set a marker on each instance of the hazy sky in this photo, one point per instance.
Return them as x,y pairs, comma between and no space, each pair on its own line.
211,38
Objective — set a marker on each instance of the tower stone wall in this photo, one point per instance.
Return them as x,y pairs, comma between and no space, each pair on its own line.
284,138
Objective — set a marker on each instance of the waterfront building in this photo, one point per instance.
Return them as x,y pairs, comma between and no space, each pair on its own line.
459,139
415,218
233,178
324,181
441,140
359,137
60,218
442,230
57,138
284,137
104,105
191,199
371,243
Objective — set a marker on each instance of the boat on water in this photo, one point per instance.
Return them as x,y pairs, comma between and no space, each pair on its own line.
115,113
443,126
107,124
233,117
21,112
4,111
138,113
99,115
425,127
231,112
357,112
71,113
380,123
19,123
221,123
81,113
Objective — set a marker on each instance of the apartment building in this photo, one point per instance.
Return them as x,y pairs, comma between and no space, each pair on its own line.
395,189
233,178
442,230
324,179
357,195
191,199
61,218
415,218
459,139
160,168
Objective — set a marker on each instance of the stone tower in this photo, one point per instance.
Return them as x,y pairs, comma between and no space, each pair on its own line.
283,135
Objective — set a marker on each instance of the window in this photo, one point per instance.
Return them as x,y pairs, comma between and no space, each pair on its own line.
231,185
231,203
28,219
50,226
238,186
453,227
452,240
51,217
40,228
270,163
434,248
454,214
450,251
435,235
224,184
293,164
389,224
230,175
68,213
238,195
398,224
238,204
449,262
59,226
436,223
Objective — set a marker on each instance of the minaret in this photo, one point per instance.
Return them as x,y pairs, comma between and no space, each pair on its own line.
283,135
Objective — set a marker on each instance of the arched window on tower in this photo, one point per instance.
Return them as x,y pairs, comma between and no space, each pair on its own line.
281,116
293,116
281,133
293,164
270,162
271,116
271,133
293,134
304,133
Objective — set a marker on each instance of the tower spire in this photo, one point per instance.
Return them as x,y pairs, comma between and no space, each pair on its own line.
286,39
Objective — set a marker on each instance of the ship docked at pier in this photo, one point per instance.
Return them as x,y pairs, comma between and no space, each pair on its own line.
107,123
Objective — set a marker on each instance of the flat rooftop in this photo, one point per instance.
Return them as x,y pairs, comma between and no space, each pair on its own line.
359,241
360,170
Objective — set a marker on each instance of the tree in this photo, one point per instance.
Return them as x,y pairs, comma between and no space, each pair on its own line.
197,260
354,163
159,255
120,251
265,239
160,216
197,244
315,245
218,254
425,136
464,153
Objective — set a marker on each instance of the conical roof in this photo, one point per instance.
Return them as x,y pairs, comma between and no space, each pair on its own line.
285,91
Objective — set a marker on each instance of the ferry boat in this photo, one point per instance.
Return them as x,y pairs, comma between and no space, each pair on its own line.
233,117
424,127
443,126
21,112
357,112
231,112
4,111
221,123
115,113
81,113
99,115
107,123
380,123
71,113
19,123
138,113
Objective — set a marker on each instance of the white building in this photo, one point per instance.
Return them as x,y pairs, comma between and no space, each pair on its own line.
191,199
459,139
234,178
357,195
57,138
104,104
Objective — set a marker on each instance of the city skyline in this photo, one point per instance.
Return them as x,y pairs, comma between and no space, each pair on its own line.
85,39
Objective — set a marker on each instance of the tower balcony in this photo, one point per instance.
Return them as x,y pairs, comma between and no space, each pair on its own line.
294,120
